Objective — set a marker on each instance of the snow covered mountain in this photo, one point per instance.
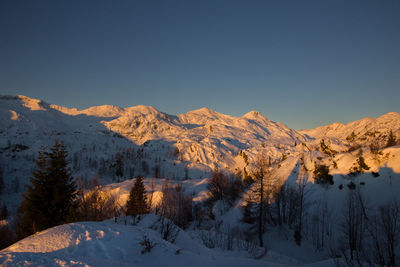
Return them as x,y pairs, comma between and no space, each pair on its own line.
364,132
116,144
191,144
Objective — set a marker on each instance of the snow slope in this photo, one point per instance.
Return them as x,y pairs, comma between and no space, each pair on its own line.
115,244
362,132
191,144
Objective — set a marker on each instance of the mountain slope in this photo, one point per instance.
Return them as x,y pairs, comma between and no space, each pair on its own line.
364,132
198,141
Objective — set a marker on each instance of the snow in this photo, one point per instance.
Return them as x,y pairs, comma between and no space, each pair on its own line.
189,146
116,244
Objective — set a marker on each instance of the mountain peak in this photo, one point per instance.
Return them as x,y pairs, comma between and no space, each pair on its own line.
253,115
103,111
31,103
204,110
142,109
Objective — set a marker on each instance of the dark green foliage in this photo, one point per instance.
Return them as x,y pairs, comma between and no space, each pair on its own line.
321,174
375,174
49,200
351,185
137,202
4,212
351,137
1,181
326,149
391,139
359,166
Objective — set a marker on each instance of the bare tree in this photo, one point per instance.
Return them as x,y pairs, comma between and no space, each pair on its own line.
95,204
353,225
175,204
390,221
301,195
261,194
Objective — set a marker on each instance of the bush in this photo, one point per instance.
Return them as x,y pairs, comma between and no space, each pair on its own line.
351,186
222,187
375,174
321,174
359,166
96,205
175,204
147,245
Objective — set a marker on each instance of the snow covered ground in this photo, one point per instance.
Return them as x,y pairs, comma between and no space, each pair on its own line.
116,244
185,149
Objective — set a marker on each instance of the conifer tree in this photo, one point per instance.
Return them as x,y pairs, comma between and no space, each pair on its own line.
4,212
49,200
137,202
391,139
1,181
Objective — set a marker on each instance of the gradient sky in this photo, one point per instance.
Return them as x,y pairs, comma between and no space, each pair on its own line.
302,63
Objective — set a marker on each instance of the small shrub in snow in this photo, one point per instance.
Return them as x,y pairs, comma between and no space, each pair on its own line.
375,174
146,244
351,185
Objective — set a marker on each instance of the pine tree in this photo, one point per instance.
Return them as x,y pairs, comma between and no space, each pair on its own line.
137,202
4,212
1,181
391,139
49,201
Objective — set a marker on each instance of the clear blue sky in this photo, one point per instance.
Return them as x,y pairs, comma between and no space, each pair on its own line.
303,63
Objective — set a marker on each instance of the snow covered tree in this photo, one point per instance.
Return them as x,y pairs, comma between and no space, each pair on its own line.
137,201
49,200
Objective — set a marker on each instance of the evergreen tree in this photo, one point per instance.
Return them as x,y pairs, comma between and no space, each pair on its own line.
137,202
119,166
49,201
4,212
391,139
1,181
